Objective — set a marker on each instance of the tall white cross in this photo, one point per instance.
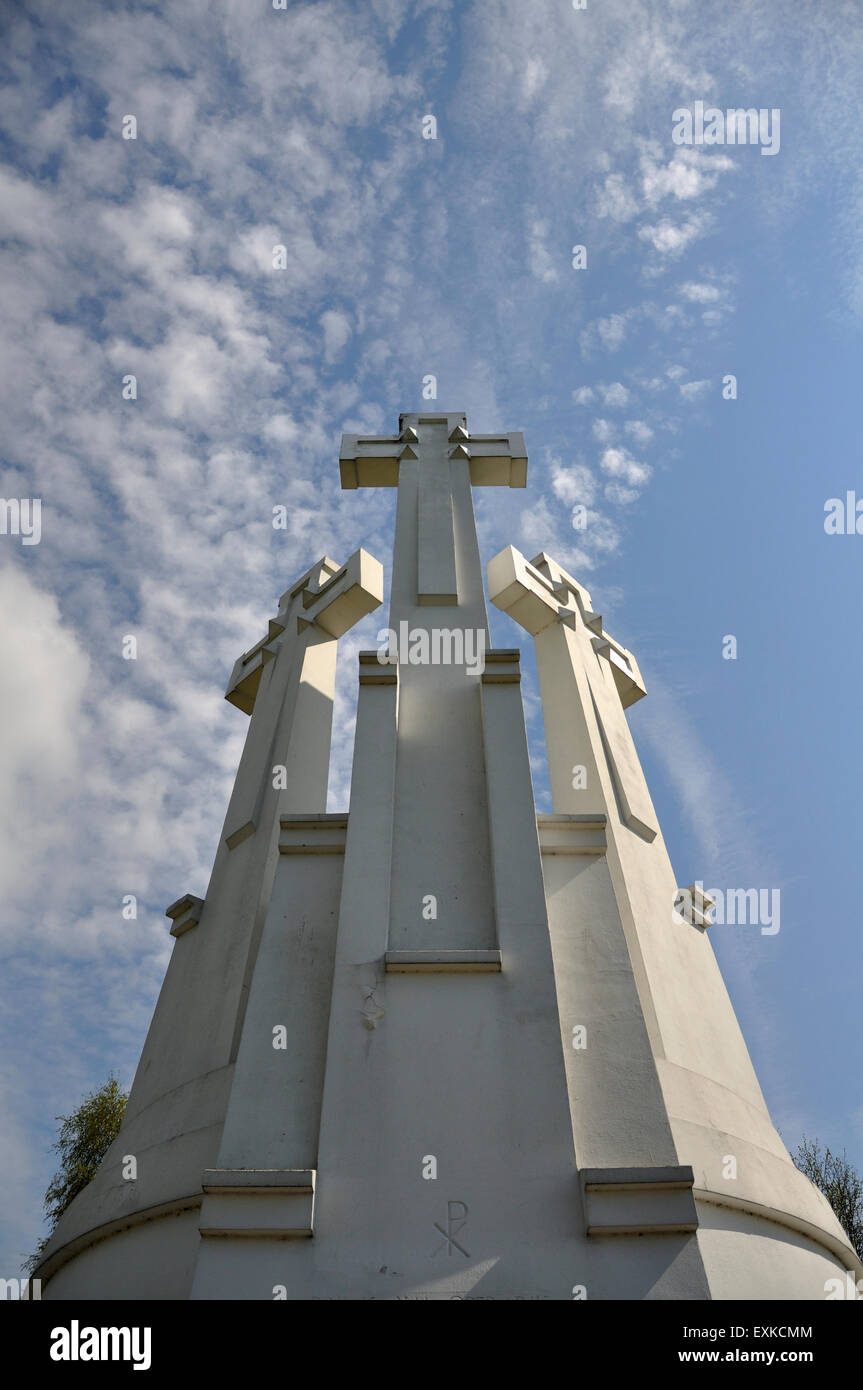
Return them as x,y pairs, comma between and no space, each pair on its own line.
291,701
431,456
587,680
439,776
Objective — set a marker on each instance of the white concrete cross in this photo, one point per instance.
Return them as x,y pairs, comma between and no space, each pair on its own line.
292,711
582,707
333,597
438,444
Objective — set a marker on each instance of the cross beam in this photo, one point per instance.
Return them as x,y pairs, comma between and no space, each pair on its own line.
332,598
539,592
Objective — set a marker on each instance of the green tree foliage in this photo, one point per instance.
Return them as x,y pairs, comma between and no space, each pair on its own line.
840,1182
82,1142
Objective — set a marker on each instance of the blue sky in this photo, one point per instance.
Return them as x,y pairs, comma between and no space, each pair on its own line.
407,257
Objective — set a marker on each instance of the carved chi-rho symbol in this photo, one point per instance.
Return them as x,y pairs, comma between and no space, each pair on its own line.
454,1222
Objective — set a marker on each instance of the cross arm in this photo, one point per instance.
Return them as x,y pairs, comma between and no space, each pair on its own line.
522,591
371,462
328,596
343,598
538,593
495,460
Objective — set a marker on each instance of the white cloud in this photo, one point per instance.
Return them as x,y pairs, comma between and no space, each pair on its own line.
42,727
671,239
282,428
612,330
540,261
698,293
154,231
601,534
688,174
616,492
640,431
603,431
619,463
539,530
608,333
615,394
572,484
615,200
337,330
535,77
691,390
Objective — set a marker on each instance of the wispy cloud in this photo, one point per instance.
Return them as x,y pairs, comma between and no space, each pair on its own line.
404,257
